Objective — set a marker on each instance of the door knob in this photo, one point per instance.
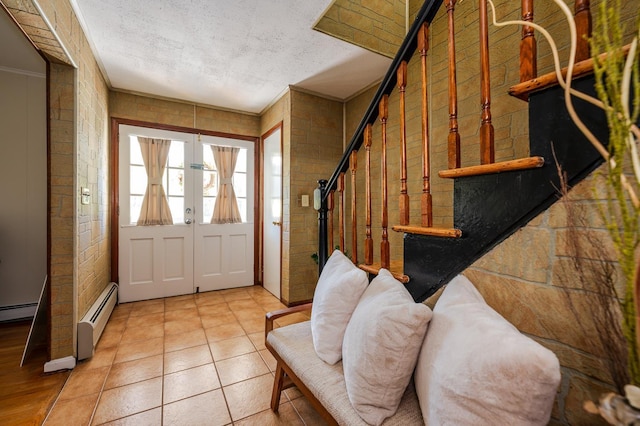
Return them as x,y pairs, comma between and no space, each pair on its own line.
277,223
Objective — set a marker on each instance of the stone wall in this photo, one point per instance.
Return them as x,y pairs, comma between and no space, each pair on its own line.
316,147
376,25
78,142
280,111
182,114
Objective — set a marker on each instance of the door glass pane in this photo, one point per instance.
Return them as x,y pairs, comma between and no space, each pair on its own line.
240,185
241,165
211,180
172,180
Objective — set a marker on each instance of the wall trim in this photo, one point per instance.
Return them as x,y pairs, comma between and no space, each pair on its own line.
15,312
24,72
66,363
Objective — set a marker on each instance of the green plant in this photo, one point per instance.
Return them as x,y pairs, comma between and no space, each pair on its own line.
314,256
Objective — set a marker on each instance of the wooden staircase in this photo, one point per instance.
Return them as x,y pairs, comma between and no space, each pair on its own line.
491,200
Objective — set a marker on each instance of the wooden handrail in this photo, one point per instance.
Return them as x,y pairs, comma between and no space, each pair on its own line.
270,317
385,256
424,230
486,169
404,196
580,69
426,203
454,137
395,268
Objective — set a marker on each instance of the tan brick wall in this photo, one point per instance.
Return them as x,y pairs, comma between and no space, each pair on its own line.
62,210
376,25
183,114
280,111
78,111
316,147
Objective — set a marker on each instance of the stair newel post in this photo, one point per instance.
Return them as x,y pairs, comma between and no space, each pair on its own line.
341,211
322,226
385,257
330,210
528,46
353,165
454,136
368,242
583,28
404,196
426,201
487,152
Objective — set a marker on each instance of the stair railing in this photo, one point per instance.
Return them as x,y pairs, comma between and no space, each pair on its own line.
378,109
425,15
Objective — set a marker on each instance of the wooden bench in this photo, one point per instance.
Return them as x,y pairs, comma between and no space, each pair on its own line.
322,384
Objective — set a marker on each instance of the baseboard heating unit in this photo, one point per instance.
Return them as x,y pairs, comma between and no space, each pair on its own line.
92,325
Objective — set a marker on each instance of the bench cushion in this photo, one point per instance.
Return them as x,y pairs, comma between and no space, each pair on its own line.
294,344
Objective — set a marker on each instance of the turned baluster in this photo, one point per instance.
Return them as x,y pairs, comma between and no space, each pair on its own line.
330,220
353,165
454,136
487,152
404,196
341,211
528,46
583,28
385,258
426,201
368,242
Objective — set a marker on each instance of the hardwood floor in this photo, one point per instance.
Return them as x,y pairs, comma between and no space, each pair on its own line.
26,393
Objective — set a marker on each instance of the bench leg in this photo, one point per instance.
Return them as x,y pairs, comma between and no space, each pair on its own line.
278,384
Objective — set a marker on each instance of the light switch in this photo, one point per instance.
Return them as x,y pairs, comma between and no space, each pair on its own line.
304,200
85,196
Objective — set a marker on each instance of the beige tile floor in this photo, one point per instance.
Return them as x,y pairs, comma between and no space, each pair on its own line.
188,360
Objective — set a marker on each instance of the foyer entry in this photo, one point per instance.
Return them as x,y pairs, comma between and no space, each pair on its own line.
186,211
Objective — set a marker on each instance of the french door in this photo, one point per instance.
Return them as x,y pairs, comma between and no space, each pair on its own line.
190,253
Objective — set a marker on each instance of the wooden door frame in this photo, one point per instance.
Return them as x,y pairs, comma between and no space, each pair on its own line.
268,133
114,152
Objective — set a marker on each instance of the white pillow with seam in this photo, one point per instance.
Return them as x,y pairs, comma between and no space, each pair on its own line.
336,295
381,346
476,368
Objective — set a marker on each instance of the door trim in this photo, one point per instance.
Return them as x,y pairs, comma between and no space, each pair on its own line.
278,126
114,152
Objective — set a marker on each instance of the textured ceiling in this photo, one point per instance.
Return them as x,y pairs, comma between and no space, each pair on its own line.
235,54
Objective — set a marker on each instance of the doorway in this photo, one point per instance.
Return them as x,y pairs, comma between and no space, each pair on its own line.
186,213
272,210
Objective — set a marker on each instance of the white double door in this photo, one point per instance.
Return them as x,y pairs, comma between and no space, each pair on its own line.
191,254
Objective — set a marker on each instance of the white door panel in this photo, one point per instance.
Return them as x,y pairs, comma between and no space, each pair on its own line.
168,260
272,212
223,255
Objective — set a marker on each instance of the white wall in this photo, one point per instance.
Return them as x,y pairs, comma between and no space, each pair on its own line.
23,188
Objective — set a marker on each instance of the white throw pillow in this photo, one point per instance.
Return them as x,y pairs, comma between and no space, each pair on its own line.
337,293
476,368
381,347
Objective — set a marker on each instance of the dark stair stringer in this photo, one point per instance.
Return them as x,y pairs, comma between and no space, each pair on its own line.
489,208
